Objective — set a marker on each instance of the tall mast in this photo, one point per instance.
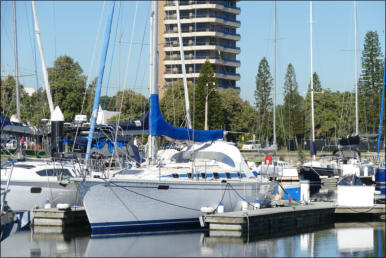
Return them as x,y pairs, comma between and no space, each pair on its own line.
183,66
153,76
44,68
312,91
16,63
356,69
98,86
274,74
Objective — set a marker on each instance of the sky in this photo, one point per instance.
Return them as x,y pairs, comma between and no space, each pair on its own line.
77,29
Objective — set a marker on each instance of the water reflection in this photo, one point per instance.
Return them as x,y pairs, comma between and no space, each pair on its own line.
338,240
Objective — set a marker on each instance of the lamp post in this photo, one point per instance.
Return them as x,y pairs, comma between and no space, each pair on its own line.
206,102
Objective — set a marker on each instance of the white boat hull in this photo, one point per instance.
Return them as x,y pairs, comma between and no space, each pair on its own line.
28,195
137,205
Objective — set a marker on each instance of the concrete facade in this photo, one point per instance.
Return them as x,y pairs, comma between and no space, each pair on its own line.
208,32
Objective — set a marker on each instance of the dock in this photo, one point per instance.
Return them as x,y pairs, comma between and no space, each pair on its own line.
54,220
285,218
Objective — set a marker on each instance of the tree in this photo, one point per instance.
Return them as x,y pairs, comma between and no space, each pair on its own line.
293,105
263,100
134,105
172,104
8,96
318,95
67,86
206,86
370,84
238,115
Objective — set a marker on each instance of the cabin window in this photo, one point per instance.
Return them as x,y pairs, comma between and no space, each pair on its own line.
53,172
215,175
228,175
203,175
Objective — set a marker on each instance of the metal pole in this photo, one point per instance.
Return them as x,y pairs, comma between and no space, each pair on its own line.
183,67
356,69
274,75
44,68
206,108
16,63
312,91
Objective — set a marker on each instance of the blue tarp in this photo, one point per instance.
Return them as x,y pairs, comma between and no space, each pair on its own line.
159,127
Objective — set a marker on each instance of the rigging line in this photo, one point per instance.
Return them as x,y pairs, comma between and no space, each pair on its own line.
54,24
125,82
91,66
140,58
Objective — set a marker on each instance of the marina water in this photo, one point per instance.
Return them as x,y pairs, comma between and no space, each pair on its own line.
364,239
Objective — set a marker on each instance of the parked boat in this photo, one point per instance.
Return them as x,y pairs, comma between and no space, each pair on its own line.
35,183
340,163
177,190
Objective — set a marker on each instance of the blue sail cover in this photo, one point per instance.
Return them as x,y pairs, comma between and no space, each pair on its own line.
159,127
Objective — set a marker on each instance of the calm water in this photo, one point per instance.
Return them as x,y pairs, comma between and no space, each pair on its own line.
337,240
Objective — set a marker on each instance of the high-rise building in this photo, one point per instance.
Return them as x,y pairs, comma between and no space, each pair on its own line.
208,32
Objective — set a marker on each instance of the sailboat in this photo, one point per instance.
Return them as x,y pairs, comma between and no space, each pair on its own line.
275,169
40,182
343,161
174,192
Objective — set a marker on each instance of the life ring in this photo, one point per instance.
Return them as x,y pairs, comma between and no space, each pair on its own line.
269,159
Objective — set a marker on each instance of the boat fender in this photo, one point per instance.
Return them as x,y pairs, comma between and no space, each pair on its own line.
47,204
207,209
62,206
220,208
244,205
256,205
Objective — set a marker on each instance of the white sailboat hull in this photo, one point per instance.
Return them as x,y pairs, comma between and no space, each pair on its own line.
27,195
137,205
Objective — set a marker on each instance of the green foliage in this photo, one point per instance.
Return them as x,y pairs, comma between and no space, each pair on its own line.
8,96
293,106
370,85
172,104
263,100
67,86
206,86
238,115
134,105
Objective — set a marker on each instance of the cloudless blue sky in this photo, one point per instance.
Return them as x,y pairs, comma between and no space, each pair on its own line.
72,28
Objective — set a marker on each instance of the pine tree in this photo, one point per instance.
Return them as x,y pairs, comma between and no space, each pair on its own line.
293,105
263,100
370,84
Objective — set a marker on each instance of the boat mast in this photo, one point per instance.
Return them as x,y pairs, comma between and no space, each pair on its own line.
98,86
356,69
16,63
189,121
44,68
312,91
274,74
153,76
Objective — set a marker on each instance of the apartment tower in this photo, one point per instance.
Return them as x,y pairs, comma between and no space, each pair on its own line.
208,31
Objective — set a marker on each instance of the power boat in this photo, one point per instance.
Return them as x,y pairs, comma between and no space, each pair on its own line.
342,162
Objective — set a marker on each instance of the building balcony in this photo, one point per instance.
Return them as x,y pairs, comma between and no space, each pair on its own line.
202,46
219,75
169,60
204,33
203,19
219,5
